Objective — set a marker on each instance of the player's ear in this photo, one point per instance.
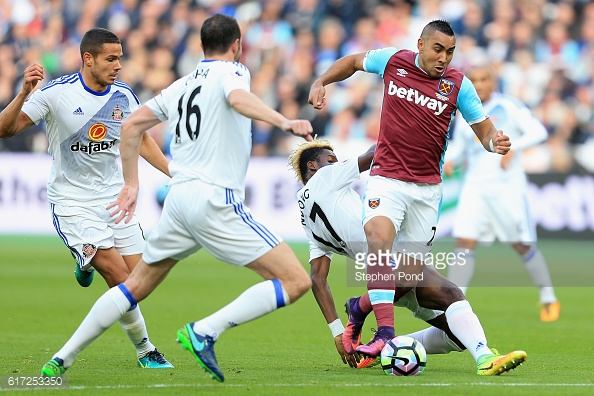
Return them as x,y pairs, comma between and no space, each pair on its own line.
235,46
312,166
87,59
420,44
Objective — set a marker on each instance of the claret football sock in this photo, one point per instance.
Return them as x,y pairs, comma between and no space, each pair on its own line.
365,304
382,301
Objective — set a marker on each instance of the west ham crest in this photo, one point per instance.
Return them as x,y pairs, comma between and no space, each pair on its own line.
373,203
445,87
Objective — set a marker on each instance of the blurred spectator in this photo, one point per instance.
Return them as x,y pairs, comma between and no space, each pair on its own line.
542,51
330,39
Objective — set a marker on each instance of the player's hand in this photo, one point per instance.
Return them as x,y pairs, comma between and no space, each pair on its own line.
32,75
506,160
301,128
351,360
125,204
501,143
448,168
317,95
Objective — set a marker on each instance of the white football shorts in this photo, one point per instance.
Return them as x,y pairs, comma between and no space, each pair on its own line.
198,214
412,207
409,301
488,212
84,229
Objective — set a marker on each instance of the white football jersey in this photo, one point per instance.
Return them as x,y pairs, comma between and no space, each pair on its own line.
331,211
210,141
83,129
483,167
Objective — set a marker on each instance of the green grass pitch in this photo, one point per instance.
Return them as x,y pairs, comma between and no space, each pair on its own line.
289,351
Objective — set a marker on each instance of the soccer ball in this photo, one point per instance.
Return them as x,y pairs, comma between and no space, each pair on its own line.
403,355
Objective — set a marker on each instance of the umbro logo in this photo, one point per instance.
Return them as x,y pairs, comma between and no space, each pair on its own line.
78,112
401,72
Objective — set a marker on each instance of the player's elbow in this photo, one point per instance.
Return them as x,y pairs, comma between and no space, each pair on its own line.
6,133
318,281
130,129
5,129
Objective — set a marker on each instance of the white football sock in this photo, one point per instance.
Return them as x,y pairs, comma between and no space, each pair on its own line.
133,324
539,272
258,300
461,273
435,341
466,326
108,309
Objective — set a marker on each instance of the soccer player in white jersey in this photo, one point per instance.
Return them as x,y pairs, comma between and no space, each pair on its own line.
209,114
83,113
493,202
331,217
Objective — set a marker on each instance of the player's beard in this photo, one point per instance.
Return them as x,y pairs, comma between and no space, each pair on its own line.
97,76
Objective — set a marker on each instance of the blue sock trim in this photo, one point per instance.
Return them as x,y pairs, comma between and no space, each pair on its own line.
129,296
381,296
278,291
528,256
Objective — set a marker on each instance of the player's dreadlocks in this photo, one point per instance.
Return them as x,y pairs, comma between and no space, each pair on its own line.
305,152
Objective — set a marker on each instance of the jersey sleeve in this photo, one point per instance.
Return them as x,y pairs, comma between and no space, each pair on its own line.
531,129
238,77
158,104
343,174
339,175
37,107
316,251
375,61
457,144
469,104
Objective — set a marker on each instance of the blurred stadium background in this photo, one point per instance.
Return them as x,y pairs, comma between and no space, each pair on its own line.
542,51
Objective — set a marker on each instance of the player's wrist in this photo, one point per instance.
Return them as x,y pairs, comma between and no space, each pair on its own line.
336,328
491,147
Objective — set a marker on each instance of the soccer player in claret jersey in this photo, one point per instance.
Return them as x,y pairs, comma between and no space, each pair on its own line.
420,98
209,114
83,113
330,215
496,185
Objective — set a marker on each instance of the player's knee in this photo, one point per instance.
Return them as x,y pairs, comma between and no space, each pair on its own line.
298,285
379,241
304,284
380,231
452,295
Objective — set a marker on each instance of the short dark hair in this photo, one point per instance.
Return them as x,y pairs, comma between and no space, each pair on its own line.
93,40
218,33
440,25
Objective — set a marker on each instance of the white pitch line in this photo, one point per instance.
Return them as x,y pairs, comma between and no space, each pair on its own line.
519,384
